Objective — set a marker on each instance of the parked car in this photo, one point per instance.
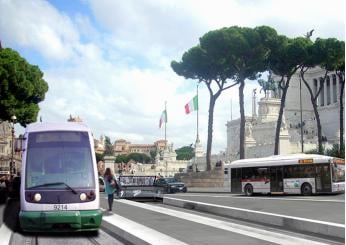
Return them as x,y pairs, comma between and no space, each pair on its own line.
171,185
102,184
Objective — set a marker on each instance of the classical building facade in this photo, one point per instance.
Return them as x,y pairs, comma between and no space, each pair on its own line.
260,129
6,149
123,147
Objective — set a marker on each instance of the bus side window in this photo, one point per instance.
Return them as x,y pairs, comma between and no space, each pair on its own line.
288,172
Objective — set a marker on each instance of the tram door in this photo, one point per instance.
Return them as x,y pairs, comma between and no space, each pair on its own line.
276,179
323,178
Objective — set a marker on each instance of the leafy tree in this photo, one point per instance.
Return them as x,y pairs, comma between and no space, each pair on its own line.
233,53
139,157
198,64
286,57
21,87
109,149
328,54
245,52
121,159
185,153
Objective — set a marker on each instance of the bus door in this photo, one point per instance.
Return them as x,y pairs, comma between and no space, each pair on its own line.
323,178
276,179
236,180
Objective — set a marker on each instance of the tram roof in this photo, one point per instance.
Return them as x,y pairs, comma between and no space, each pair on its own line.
279,160
65,126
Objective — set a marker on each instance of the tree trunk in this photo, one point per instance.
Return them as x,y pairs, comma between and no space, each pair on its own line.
281,111
314,106
242,121
210,127
341,145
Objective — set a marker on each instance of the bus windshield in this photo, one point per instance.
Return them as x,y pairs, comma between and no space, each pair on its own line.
59,157
338,171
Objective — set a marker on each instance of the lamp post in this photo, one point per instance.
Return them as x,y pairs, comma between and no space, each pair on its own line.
13,121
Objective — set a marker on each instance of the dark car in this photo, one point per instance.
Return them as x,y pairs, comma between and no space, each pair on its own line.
101,184
171,185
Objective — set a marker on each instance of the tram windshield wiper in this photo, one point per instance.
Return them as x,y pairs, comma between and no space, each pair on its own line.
52,184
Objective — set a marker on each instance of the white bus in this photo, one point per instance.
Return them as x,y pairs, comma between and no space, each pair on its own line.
59,182
304,174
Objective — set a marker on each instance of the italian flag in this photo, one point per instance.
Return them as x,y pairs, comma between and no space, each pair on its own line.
163,118
192,105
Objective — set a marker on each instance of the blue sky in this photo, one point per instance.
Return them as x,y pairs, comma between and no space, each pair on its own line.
108,61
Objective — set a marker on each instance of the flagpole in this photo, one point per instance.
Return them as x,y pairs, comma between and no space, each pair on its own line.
165,123
197,139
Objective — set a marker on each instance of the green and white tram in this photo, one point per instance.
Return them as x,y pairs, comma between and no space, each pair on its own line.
59,180
304,174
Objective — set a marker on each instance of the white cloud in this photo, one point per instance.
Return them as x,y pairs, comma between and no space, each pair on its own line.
38,25
117,81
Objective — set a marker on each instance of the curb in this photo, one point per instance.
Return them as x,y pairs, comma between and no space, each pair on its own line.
121,234
287,222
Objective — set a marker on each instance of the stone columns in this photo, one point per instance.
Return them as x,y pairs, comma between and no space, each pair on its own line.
330,79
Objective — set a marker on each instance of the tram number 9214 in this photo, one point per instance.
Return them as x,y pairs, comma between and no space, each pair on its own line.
60,207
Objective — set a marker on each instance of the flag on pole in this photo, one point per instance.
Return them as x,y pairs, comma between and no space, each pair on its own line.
192,105
163,118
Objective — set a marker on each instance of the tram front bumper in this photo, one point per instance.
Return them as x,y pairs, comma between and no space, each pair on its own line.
58,221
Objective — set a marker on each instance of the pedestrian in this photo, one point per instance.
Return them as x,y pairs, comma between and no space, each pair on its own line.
111,187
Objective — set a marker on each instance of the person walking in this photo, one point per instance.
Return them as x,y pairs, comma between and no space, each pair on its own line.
111,187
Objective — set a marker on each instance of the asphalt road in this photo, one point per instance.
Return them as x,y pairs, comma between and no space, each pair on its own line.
330,208
192,227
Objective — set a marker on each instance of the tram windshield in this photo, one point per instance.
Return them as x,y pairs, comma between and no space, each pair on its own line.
338,172
60,156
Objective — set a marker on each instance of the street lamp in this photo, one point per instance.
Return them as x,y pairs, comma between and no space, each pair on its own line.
13,121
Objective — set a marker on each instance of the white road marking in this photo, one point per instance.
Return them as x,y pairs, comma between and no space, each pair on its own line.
264,198
143,232
228,226
5,234
260,212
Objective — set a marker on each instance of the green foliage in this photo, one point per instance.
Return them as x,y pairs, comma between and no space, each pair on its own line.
185,153
99,157
329,53
336,151
333,152
121,159
139,157
109,150
153,155
21,87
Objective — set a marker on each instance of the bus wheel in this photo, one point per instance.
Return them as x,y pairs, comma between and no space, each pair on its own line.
306,189
248,190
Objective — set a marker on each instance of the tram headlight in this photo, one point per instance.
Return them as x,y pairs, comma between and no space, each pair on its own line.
37,197
83,197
